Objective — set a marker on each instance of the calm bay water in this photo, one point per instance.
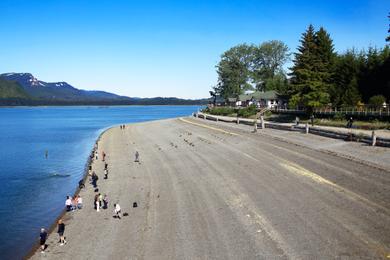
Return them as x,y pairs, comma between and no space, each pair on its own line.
33,188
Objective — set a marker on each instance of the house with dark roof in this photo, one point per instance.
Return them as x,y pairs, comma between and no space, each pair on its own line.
269,99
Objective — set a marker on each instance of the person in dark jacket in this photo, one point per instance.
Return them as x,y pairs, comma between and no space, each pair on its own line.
94,179
350,122
43,237
60,231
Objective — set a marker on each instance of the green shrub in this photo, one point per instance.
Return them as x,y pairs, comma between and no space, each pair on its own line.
247,112
221,111
268,113
339,116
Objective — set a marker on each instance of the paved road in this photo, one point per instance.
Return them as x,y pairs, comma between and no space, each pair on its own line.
215,192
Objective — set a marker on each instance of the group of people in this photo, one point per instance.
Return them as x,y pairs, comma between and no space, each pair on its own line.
43,235
100,201
122,127
73,204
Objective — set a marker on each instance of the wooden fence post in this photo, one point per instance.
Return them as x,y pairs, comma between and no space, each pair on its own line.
262,122
373,138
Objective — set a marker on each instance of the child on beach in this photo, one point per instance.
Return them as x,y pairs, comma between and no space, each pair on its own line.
60,231
79,202
43,237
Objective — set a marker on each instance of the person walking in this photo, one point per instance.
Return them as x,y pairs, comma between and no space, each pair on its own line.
96,155
117,210
96,202
105,174
60,231
103,156
136,156
100,200
95,178
105,201
312,119
43,237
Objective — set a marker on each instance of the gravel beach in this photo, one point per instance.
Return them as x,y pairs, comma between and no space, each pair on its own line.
207,190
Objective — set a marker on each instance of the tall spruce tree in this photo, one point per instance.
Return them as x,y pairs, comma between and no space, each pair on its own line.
346,92
325,65
308,86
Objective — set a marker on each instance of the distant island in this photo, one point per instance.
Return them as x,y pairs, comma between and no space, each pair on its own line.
23,89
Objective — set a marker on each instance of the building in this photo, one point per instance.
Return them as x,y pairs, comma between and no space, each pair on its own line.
267,99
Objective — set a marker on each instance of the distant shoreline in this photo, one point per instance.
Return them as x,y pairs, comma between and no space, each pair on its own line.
25,106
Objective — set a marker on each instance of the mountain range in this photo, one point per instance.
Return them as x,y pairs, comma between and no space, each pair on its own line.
25,89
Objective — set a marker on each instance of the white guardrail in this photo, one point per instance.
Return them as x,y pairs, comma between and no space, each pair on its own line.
372,139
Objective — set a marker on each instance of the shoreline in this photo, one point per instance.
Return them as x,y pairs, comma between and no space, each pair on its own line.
53,226
205,193
51,229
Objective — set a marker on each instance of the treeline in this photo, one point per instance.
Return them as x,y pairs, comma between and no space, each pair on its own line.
319,76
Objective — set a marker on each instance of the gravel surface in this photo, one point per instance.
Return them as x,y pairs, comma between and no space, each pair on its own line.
210,190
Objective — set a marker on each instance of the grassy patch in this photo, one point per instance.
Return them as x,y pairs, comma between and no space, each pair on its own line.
368,125
247,112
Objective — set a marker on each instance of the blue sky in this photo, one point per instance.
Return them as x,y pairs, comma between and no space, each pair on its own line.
165,48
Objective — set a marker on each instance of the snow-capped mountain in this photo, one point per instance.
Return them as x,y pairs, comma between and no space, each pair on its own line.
57,90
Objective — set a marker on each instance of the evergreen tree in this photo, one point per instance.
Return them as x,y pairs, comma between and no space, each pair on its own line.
345,91
308,88
325,57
